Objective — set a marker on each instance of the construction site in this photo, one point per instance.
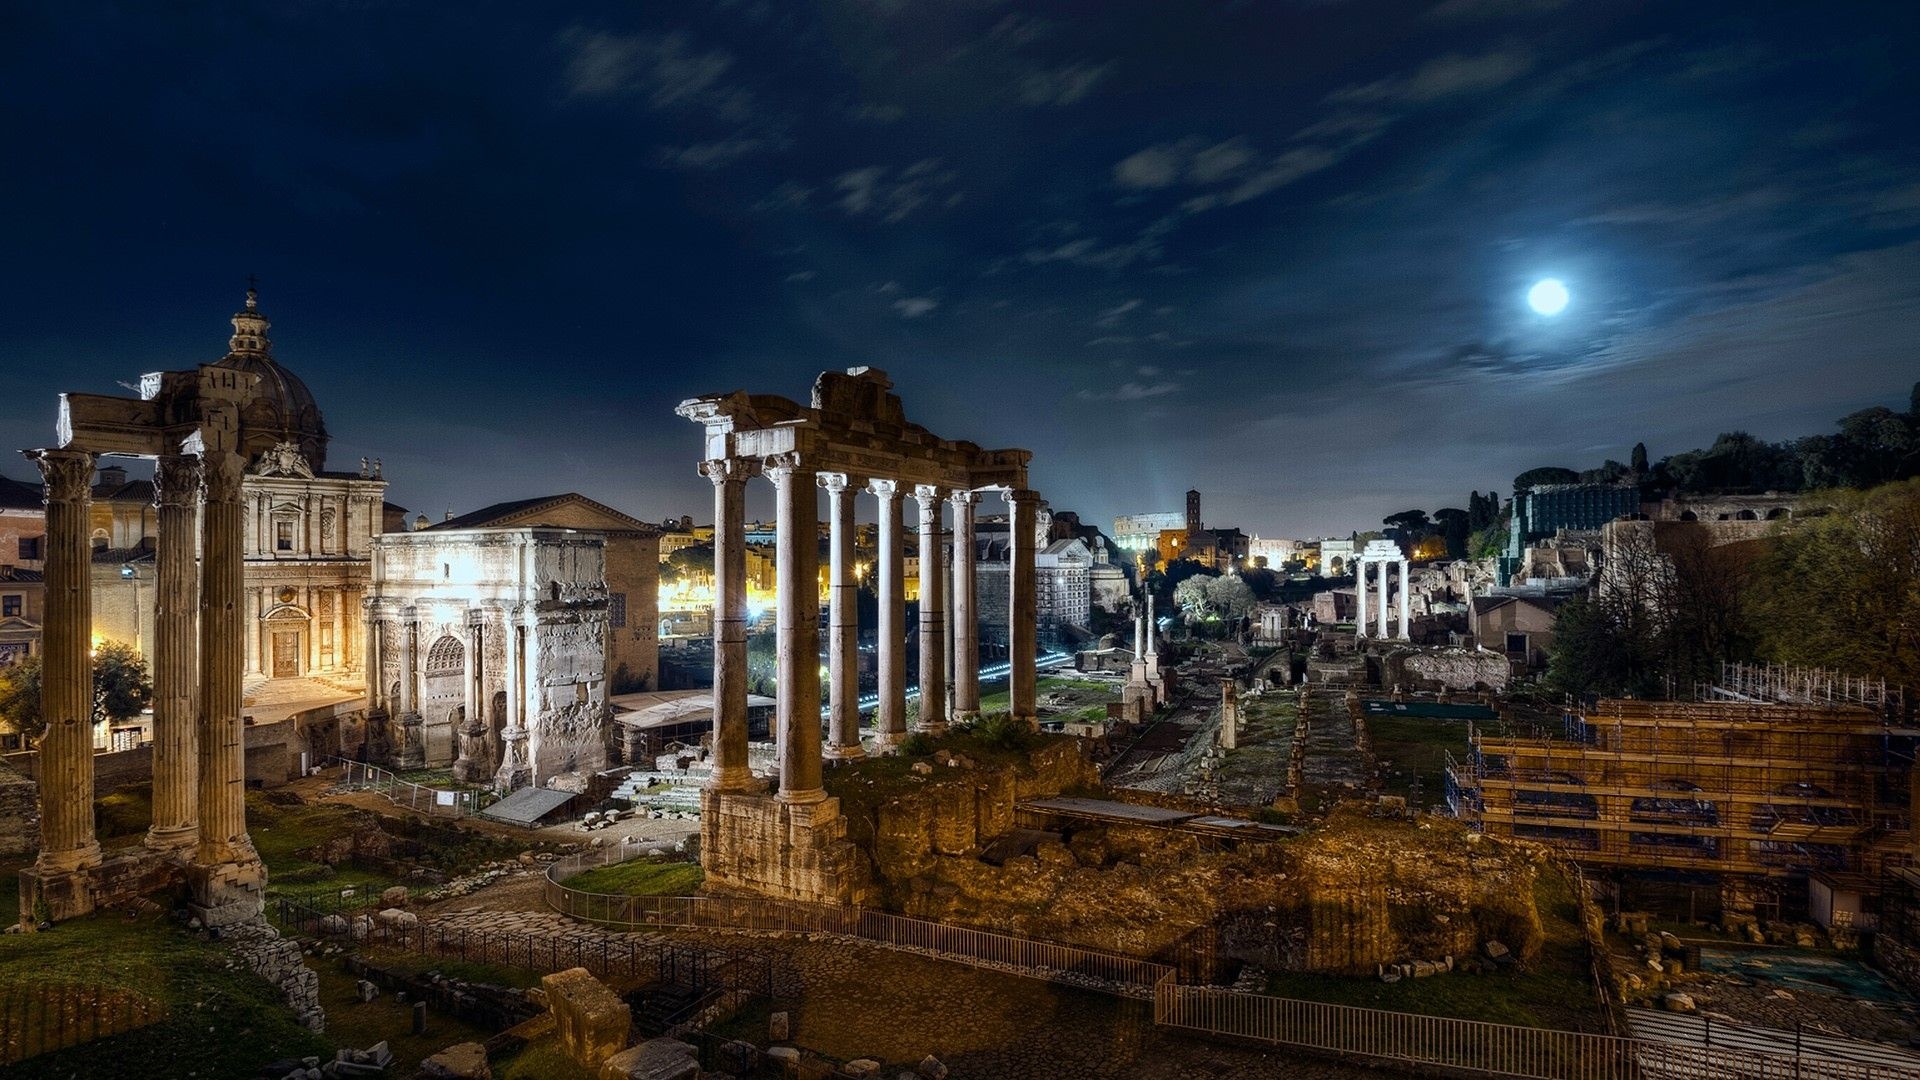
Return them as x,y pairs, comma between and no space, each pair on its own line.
1779,794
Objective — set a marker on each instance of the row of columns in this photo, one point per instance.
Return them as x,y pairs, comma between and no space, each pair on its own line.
474,752
1360,583
797,725
199,764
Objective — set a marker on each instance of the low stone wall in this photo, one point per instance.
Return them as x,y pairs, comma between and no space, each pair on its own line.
271,761
1899,960
278,960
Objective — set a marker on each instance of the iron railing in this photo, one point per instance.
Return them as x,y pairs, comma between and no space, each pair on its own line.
432,801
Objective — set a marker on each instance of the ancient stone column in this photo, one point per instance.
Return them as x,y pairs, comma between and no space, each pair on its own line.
730,772
1023,606
516,762
966,625
66,669
1360,596
892,631
797,524
933,621
843,645
1406,599
176,674
233,889
470,761
410,741
1386,593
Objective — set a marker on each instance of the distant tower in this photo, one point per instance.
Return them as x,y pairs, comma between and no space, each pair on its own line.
1193,513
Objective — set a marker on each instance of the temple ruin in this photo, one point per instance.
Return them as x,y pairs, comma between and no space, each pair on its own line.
194,425
853,438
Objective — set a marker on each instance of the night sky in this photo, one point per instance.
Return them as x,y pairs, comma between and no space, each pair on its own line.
1276,251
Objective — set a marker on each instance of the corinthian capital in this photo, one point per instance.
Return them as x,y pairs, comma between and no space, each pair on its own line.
176,480
726,470
68,474
833,482
781,467
220,475
928,496
963,498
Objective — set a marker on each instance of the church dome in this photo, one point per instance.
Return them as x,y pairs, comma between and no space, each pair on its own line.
284,410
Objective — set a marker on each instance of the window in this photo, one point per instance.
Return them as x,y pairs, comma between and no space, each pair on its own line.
30,549
1516,644
283,536
10,605
617,609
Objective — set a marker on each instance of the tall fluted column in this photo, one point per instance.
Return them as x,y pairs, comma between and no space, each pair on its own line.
843,646
1360,596
892,631
224,843
1386,593
516,764
66,681
176,765
410,747
933,620
966,624
797,523
730,772
1023,609
470,754
1406,599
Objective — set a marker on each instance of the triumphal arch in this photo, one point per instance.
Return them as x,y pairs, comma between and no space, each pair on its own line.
853,439
193,425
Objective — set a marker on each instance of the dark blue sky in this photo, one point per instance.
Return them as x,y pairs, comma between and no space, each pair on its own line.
1276,251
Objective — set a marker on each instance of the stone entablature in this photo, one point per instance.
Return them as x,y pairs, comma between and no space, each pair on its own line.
492,653
853,439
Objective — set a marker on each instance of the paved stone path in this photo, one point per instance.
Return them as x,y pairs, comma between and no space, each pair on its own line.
1333,760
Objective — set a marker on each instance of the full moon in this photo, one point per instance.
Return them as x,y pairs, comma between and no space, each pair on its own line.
1548,296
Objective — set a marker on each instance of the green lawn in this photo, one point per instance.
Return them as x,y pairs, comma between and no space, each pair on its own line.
1414,748
641,877
227,1023
1557,992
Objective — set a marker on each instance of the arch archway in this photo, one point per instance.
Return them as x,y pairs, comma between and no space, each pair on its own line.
443,697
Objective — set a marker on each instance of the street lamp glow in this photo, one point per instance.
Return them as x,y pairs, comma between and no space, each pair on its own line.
1548,296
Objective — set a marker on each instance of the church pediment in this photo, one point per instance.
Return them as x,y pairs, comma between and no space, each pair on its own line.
283,459
286,611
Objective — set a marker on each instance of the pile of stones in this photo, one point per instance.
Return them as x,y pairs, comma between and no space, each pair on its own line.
345,1065
279,961
601,819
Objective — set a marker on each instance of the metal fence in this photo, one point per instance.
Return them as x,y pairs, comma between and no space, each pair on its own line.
37,1020
1431,1043
979,948
1470,1046
432,801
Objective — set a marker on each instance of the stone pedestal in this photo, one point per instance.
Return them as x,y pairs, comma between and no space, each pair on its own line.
228,893
410,745
798,851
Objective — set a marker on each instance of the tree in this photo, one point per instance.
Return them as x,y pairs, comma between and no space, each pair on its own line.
1842,591
1453,526
121,688
20,697
1190,596
694,560
1639,459
1546,474
1230,597
1413,522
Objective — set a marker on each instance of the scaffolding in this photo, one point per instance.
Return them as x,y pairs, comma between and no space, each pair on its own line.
1800,686
1764,789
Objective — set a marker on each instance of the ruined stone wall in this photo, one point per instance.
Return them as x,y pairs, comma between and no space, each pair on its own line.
1456,669
19,814
269,761
757,844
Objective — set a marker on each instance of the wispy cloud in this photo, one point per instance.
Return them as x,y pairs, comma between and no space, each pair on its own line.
1113,315
714,155
1063,85
1493,9
895,196
1130,391
665,71
1439,78
912,307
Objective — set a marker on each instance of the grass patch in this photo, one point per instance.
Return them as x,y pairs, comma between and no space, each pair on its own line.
126,812
541,1059
993,743
227,1023
641,877
1557,992
1412,751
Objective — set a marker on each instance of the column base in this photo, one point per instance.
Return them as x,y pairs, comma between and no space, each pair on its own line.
410,751
55,863
965,717
51,896
176,838
1032,723
888,742
843,753
227,893
931,728
737,780
809,797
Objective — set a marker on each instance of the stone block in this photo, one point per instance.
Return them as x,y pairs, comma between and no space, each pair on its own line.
461,1061
591,1020
780,1027
655,1059
862,1068
395,897
932,1068
365,990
